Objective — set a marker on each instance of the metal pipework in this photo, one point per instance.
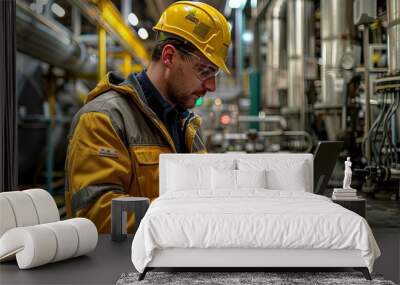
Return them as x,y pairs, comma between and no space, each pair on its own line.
300,17
49,41
304,134
380,137
276,29
107,16
393,31
239,29
367,125
378,173
265,134
336,32
267,119
102,45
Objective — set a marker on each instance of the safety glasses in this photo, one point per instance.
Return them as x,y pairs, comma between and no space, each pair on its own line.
203,69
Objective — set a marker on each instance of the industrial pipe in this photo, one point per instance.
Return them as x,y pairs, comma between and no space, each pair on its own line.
336,33
267,119
306,135
49,41
276,63
107,16
300,47
378,173
269,134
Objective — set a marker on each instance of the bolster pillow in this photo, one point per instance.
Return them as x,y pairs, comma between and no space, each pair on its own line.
26,208
40,244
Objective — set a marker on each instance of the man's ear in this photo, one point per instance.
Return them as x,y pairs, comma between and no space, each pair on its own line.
167,55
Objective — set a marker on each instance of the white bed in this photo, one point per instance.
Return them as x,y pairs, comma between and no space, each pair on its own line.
247,210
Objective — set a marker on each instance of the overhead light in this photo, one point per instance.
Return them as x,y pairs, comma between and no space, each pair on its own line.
225,119
199,102
218,102
37,7
235,4
57,10
247,37
133,19
143,34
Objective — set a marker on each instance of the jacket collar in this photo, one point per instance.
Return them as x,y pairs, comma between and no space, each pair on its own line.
131,88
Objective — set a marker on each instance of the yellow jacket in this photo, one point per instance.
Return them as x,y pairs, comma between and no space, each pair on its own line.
114,146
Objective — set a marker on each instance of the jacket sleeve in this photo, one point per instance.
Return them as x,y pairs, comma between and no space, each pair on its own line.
98,170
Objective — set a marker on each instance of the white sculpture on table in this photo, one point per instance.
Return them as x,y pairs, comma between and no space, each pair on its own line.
347,174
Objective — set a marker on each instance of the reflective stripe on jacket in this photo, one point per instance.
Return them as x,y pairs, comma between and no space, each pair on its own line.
114,146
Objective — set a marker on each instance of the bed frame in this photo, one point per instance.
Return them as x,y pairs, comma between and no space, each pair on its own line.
246,259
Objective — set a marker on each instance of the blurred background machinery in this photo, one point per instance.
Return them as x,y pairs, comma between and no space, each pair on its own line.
303,71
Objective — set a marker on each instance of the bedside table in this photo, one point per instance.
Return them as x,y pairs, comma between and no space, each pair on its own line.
357,205
119,209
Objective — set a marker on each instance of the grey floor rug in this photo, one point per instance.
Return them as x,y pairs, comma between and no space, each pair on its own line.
230,278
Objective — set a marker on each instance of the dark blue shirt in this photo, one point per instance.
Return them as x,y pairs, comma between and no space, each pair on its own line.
169,115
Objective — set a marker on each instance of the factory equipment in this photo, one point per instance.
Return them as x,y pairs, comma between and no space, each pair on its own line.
323,70
273,136
381,145
285,35
351,95
254,141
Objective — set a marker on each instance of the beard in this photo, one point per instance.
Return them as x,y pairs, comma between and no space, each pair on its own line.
180,92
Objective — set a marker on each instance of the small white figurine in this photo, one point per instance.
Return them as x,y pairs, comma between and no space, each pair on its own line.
347,174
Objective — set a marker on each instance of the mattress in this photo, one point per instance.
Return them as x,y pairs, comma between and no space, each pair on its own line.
251,219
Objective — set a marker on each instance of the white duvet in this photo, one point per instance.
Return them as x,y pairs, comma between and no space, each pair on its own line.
256,218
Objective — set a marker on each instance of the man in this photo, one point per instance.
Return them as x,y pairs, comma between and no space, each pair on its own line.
117,137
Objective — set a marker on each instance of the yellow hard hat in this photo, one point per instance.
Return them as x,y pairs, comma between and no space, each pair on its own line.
200,24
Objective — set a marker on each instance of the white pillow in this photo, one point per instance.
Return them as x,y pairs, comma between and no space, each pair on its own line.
182,177
282,173
251,178
293,178
223,179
